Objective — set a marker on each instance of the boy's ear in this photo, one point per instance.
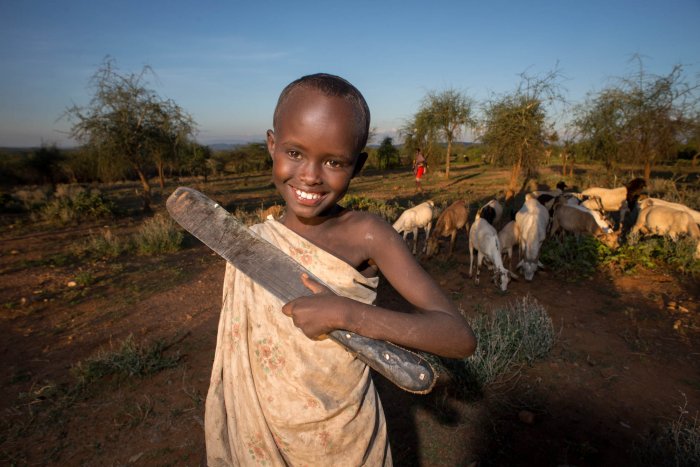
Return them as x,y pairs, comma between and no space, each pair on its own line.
361,159
270,142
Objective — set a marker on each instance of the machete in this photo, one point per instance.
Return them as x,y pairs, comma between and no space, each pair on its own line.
280,275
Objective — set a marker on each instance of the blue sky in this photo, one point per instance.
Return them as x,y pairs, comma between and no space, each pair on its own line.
225,62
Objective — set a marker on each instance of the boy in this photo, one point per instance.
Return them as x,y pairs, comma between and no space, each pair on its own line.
280,394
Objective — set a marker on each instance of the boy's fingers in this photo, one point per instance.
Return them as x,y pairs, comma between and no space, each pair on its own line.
311,284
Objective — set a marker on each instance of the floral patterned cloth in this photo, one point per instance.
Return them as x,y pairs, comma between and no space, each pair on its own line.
277,397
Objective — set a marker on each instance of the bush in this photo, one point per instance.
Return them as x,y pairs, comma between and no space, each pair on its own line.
508,337
105,245
158,235
82,205
575,259
653,252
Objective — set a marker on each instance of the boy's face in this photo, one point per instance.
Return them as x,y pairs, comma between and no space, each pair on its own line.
314,152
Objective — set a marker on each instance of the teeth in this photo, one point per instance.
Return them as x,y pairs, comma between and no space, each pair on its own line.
305,195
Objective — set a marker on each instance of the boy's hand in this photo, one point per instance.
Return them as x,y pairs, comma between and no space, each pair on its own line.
313,315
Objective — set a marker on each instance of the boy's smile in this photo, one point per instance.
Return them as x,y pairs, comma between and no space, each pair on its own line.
314,153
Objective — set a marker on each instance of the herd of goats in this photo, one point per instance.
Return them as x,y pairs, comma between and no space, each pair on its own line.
548,213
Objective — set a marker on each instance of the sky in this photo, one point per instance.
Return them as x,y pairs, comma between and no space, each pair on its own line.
225,62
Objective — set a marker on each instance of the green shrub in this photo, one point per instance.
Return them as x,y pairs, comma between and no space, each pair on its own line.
508,337
82,205
105,245
129,359
574,258
158,235
652,253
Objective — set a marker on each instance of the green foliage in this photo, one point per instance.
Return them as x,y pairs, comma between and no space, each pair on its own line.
442,115
387,210
575,259
105,245
387,155
158,235
129,359
252,157
83,205
128,124
519,333
641,119
655,252
515,126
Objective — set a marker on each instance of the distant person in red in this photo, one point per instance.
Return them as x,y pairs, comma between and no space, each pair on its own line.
420,165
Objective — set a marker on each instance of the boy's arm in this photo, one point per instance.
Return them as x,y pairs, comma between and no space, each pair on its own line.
435,325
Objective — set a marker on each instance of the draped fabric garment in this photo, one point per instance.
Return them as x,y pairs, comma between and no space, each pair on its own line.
277,397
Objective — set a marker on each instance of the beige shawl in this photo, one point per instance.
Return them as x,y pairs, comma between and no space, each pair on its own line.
277,397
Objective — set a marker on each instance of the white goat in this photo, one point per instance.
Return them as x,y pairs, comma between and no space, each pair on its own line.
484,238
646,202
577,221
508,237
531,221
662,220
412,219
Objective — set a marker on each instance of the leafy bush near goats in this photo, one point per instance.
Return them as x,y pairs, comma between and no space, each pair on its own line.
581,258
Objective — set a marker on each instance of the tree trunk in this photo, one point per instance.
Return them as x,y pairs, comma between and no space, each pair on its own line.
647,170
694,163
514,176
564,159
447,158
146,190
161,176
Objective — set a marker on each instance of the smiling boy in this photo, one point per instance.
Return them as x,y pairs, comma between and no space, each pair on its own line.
279,393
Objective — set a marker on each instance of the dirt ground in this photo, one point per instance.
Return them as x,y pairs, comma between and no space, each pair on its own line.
625,362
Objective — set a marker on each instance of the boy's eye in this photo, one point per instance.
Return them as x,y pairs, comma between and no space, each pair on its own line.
334,163
294,154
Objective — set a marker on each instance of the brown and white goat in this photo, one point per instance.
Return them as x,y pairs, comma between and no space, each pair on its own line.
450,221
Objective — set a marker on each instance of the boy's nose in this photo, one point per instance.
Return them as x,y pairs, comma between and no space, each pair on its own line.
310,173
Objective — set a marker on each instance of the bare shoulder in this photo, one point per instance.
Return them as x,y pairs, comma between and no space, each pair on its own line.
366,224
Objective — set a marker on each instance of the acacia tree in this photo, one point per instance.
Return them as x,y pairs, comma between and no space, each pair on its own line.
599,124
126,121
642,119
515,127
171,135
447,113
420,132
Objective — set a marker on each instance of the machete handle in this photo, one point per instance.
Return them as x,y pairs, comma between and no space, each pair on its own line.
404,368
